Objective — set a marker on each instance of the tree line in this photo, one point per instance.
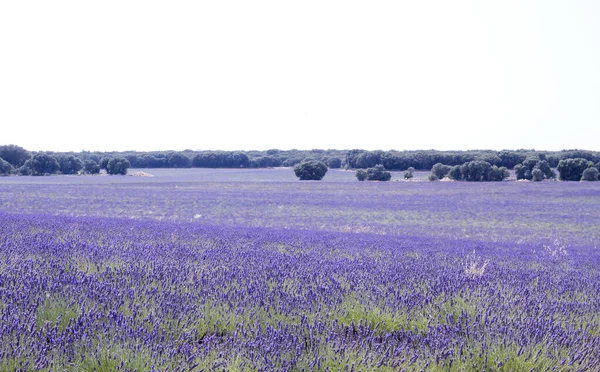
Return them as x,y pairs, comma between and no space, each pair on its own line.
17,160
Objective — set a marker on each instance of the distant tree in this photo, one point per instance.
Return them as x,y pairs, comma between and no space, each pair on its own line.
5,167
454,173
179,160
476,171
268,161
525,169
432,177
104,163
14,155
310,170
510,158
378,173
368,159
39,165
334,162
440,170
499,173
590,174
361,174
491,158
292,160
91,167
69,164
117,165
537,175
572,169
409,173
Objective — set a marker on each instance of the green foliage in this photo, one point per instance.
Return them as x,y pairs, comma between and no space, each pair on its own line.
118,165
361,174
525,170
69,164
368,159
476,171
179,160
14,155
572,169
432,177
378,173
104,163
333,162
590,174
537,175
440,170
5,167
39,165
91,167
454,173
498,173
409,173
310,170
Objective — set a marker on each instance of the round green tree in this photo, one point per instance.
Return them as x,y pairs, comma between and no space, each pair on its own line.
310,170
118,165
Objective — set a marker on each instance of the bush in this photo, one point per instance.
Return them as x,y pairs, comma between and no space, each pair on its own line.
69,164
334,162
117,165
104,163
310,170
590,174
476,171
454,173
498,173
409,173
5,167
572,169
440,170
40,165
432,177
91,167
361,174
537,175
378,173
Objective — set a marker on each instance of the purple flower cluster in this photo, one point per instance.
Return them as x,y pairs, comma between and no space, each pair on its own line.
90,292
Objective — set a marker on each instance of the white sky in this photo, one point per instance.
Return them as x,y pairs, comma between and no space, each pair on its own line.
158,75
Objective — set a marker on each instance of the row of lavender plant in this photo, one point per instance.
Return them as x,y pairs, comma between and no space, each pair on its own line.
534,212
94,293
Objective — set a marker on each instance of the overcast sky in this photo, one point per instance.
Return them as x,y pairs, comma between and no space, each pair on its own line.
158,75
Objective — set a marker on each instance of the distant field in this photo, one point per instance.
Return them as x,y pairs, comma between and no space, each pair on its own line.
252,269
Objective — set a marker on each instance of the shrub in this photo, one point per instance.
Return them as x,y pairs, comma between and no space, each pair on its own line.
378,173
572,169
432,177
40,165
5,167
91,167
409,173
537,175
454,173
440,170
118,165
361,174
310,170
590,174
498,173
69,164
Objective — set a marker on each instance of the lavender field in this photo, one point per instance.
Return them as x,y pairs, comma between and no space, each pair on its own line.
252,270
